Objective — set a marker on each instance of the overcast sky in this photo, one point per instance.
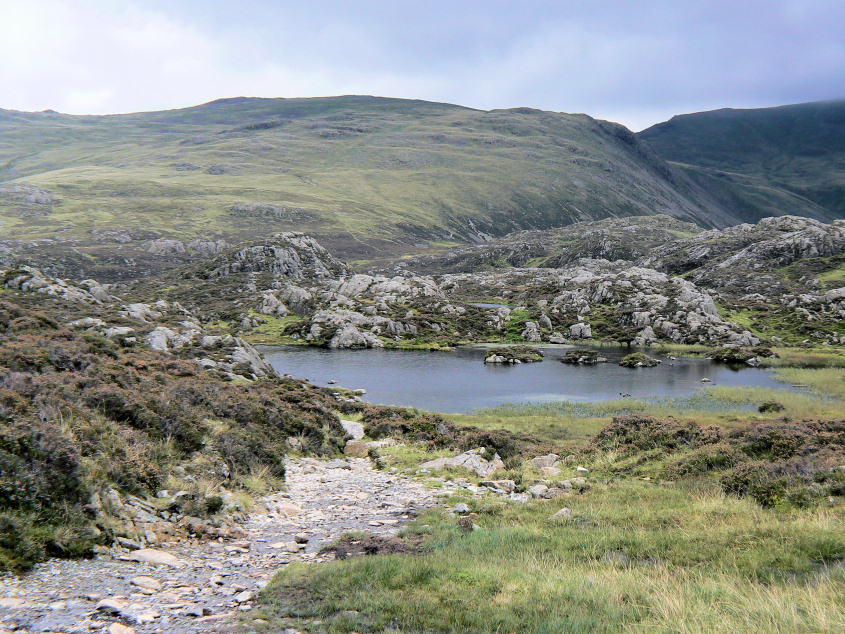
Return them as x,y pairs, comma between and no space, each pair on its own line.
633,62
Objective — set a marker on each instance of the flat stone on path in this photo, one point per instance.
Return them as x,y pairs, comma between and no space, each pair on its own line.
156,557
148,583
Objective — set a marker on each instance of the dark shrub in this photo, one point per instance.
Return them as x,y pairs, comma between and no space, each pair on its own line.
650,433
19,550
770,407
775,440
242,449
774,484
39,468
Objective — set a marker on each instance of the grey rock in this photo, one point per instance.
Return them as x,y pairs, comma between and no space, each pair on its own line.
562,514
353,429
470,460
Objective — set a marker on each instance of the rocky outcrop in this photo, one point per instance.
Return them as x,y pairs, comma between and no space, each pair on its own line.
203,248
476,461
164,326
743,259
351,329
30,279
513,355
28,196
166,246
288,255
648,304
266,210
628,238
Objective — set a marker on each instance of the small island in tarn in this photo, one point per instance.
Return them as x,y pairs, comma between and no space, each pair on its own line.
638,360
513,355
583,356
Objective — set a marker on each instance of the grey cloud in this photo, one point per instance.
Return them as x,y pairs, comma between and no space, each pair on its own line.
633,62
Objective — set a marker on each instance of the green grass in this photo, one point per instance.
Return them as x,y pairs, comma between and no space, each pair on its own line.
635,556
516,324
823,381
271,331
824,357
784,324
834,278
572,423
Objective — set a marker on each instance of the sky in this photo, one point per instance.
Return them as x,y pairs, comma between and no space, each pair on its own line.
635,62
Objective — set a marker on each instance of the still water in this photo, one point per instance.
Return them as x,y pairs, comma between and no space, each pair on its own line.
458,381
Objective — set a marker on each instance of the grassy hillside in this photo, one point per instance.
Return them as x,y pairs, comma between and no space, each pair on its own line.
363,174
761,162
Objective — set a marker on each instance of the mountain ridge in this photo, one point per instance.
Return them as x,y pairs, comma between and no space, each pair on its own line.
96,195
782,159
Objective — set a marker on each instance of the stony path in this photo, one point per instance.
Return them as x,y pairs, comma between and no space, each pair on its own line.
204,585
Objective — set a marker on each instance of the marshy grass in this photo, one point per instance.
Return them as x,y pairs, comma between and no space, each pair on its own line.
828,357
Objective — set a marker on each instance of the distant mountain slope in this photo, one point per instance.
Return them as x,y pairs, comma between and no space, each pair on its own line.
366,175
763,162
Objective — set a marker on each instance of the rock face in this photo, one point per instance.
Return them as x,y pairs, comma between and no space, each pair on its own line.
580,331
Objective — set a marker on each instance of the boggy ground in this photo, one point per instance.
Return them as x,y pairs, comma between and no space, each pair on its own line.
208,583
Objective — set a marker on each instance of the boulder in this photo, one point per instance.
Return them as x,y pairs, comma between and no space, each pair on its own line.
499,486
562,514
581,330
531,332
545,461
537,490
357,448
353,429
